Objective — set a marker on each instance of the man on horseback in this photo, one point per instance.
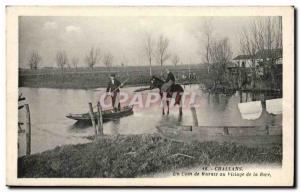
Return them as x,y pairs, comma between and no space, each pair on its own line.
169,82
164,87
113,87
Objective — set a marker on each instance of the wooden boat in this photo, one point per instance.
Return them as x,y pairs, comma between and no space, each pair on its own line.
106,114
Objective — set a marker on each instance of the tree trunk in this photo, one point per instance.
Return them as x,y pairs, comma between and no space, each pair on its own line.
150,68
161,68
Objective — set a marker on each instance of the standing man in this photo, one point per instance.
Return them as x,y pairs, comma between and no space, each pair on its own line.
169,82
113,87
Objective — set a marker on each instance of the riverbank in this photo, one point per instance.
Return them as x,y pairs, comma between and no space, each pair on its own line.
86,78
139,155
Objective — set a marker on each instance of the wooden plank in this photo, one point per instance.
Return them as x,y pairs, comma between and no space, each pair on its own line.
194,115
235,127
100,119
28,130
92,118
226,131
263,128
267,130
21,98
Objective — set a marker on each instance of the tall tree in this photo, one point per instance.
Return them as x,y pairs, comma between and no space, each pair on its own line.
61,59
220,55
251,41
273,42
162,54
263,35
93,57
75,61
34,60
149,51
108,60
175,59
207,33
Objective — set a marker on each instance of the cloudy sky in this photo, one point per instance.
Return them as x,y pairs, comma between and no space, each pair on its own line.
123,37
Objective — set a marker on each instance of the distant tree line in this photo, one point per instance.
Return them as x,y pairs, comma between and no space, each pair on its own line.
94,56
263,33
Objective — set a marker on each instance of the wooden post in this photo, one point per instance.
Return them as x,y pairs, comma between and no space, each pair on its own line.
226,131
28,130
194,115
92,118
267,130
100,119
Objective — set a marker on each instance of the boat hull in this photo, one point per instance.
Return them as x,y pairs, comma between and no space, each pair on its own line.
107,115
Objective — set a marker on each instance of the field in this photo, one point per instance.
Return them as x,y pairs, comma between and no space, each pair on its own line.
140,155
85,78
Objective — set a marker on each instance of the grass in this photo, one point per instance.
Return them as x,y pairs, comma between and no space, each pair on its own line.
138,155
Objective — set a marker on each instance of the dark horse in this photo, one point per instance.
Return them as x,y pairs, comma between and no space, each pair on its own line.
176,91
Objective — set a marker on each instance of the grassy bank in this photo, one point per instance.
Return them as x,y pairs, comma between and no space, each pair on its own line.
138,155
85,78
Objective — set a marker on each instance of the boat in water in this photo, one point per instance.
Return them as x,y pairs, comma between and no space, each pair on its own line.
107,115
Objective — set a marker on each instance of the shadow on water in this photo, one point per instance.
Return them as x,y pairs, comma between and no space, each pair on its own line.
115,126
218,101
170,120
78,125
81,125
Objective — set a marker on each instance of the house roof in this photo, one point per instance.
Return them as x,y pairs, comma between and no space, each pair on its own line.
262,54
269,53
242,57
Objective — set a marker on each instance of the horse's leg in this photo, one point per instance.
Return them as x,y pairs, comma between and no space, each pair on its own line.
168,106
180,110
163,105
179,102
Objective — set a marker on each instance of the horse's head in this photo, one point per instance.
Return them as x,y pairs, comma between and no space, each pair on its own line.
155,82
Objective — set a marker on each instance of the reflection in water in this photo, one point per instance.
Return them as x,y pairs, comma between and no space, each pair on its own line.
170,120
115,127
80,125
49,106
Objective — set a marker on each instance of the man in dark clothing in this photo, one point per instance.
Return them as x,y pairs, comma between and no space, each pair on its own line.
169,82
114,88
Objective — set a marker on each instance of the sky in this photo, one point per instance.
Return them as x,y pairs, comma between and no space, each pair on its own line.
123,37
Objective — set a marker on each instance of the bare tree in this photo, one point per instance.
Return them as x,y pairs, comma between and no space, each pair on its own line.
61,59
75,61
162,51
278,32
273,42
149,51
207,33
251,41
264,34
220,55
107,60
34,60
93,57
175,59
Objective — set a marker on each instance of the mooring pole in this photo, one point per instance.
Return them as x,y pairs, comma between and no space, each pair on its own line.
267,130
92,118
100,119
226,131
194,115
28,130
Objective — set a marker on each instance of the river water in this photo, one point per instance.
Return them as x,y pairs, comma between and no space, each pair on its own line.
50,127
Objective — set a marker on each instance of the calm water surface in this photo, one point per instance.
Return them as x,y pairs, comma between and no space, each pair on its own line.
50,127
